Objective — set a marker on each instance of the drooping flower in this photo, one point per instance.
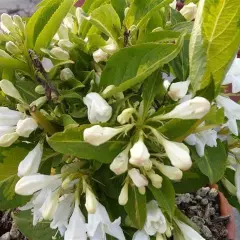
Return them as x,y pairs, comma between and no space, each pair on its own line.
8,139
9,89
26,126
138,179
98,109
100,56
155,179
178,90
91,201
189,11
31,162
123,197
99,224
59,53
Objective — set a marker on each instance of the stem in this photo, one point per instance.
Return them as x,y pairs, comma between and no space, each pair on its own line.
205,128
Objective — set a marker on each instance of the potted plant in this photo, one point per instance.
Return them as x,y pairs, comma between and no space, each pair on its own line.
110,110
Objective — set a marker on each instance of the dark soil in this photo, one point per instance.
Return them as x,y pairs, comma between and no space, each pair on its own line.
203,209
8,229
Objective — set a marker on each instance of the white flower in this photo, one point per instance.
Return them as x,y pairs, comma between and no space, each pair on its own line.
9,117
98,109
120,162
138,179
66,74
123,197
76,229
231,111
47,64
173,5
8,139
59,53
237,181
139,153
178,90
39,102
125,116
91,201
189,11
233,76
188,232
100,56
63,213
111,47
155,179
141,235
28,185
208,137
26,127
9,89
31,162
7,23
4,54
195,108
19,23
99,224
65,44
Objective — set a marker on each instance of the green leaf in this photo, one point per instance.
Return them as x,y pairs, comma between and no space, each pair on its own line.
176,17
39,232
215,116
13,63
71,142
208,92
132,65
51,27
8,198
119,6
165,196
213,163
136,207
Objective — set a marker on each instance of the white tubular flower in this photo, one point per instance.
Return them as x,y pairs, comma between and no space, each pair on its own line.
66,74
139,153
9,117
97,135
195,108
237,181
98,109
26,127
155,179
91,201
99,224
188,232
172,173
28,185
141,235
13,48
47,64
138,179
9,89
111,47
59,53
178,90
120,162
125,116
31,162
7,22
76,229
8,139
19,23
100,56
189,11
65,44
123,197
63,213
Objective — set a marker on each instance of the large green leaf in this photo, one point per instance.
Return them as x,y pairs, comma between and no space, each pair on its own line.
132,65
214,162
71,142
215,41
136,207
13,63
119,6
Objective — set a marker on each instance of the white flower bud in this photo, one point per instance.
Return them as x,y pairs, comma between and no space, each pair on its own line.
59,53
9,89
66,74
173,5
4,54
147,165
189,11
120,162
111,47
39,102
195,108
123,197
8,139
125,116
100,56
98,109
178,90
139,153
30,164
19,23
7,22
138,179
13,48
65,44
142,190
159,236
26,127
40,89
79,13
97,135
172,173
155,179
47,64
91,201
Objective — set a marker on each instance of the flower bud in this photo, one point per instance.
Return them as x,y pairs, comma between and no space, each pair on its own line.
138,179
12,48
8,139
142,190
39,102
66,74
47,64
195,108
40,89
98,109
9,89
59,53
91,201
125,116
173,5
178,90
139,153
65,44
9,117
189,11
26,127
30,164
79,13
19,23
7,22
159,236
123,197
120,162
4,54
155,179
100,56
172,173
111,47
